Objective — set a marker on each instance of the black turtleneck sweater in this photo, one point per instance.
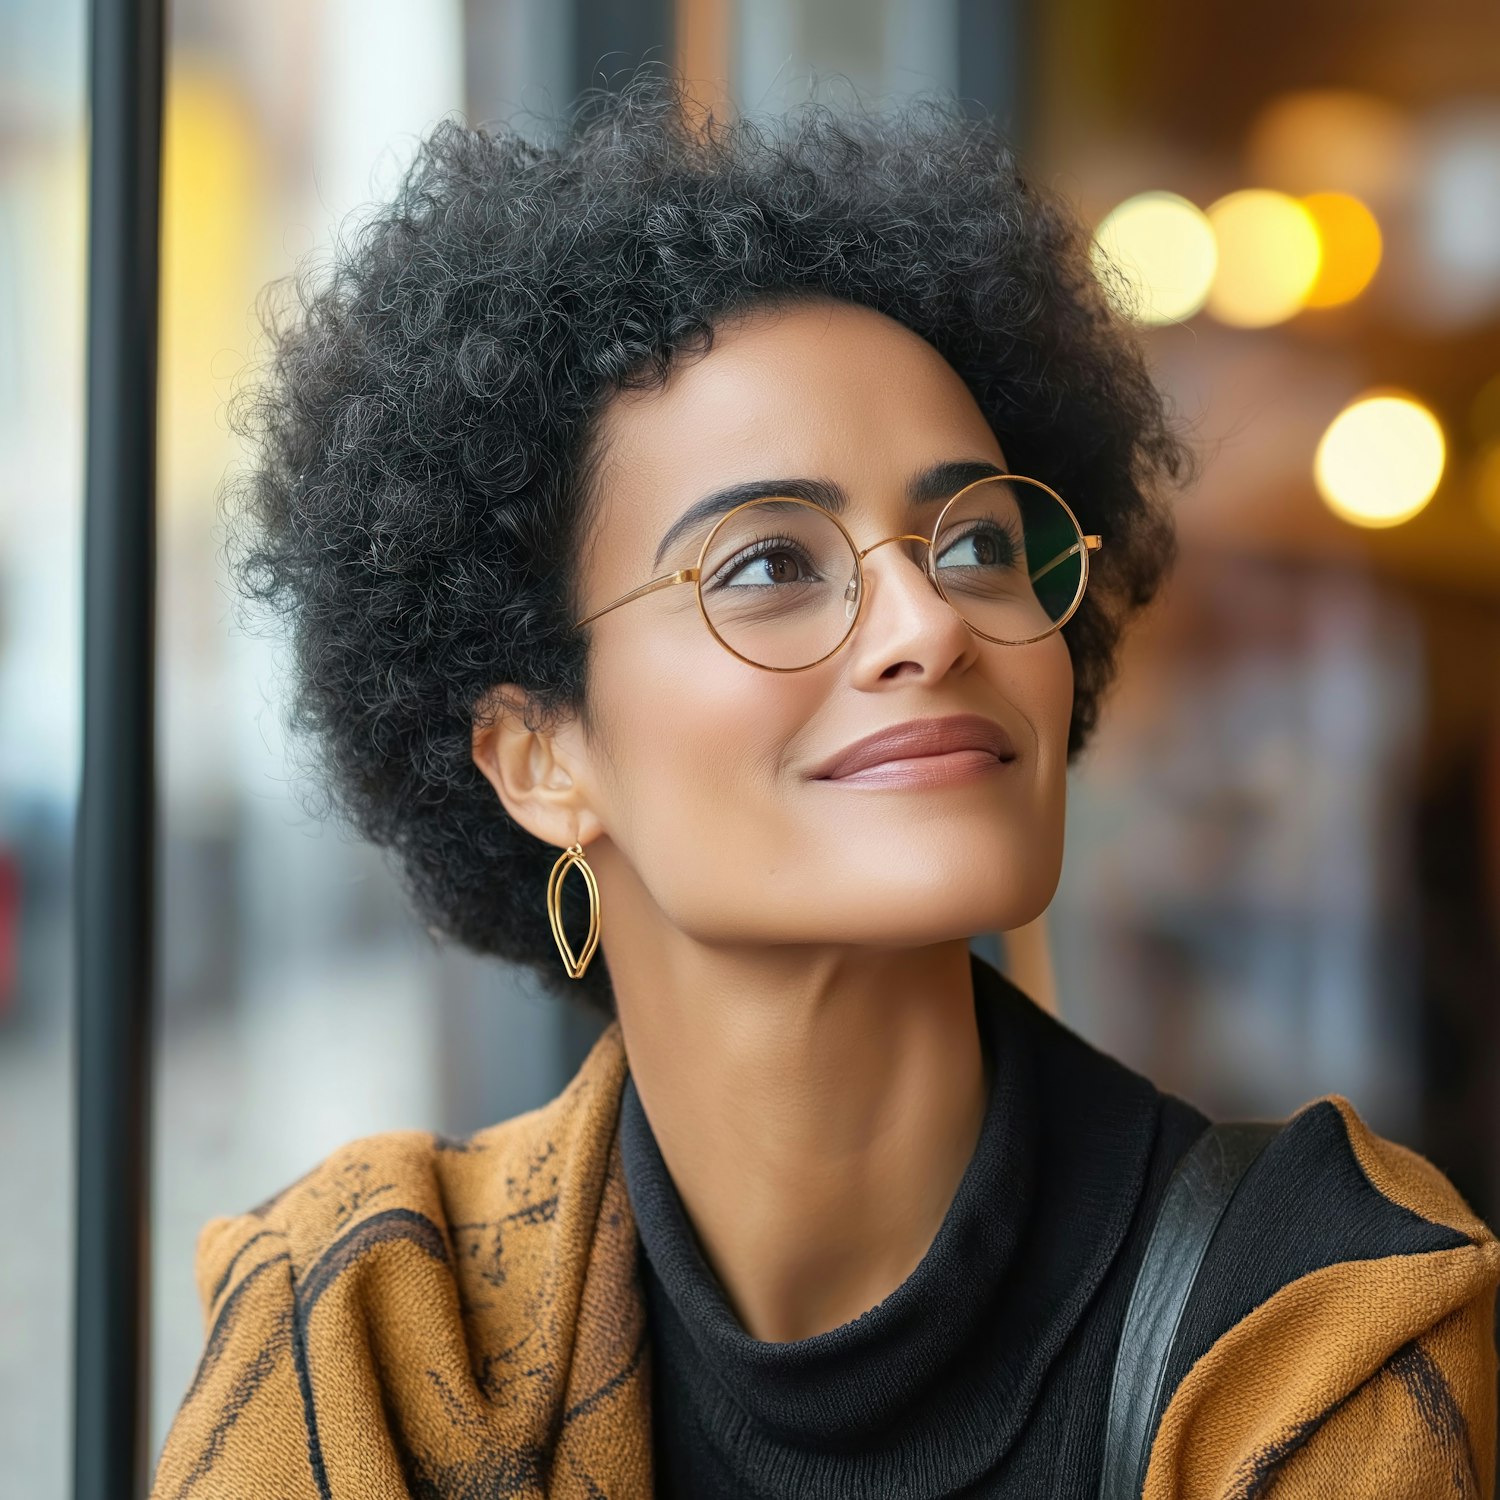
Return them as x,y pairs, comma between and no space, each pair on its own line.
986,1372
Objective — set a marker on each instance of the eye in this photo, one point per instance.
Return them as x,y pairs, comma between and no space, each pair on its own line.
786,562
992,544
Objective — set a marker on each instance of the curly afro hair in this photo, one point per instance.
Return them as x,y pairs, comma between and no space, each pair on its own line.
420,468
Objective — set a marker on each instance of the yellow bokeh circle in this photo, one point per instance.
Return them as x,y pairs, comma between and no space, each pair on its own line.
1269,257
1487,486
1380,460
1165,248
1351,247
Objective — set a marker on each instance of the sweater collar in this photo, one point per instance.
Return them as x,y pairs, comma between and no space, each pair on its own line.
938,1377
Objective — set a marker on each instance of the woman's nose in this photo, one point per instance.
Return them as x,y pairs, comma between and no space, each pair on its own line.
917,558
918,562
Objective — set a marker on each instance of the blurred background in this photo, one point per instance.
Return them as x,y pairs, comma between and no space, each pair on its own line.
1282,875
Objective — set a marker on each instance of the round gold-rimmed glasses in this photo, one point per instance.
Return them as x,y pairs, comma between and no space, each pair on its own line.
781,583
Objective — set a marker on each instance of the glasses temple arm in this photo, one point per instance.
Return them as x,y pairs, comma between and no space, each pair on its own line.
1088,543
682,575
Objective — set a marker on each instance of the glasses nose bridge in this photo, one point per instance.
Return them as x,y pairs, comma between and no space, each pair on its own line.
910,536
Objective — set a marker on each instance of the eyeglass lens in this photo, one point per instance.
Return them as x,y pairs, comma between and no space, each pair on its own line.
780,584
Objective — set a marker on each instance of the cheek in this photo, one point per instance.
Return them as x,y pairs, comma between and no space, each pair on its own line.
1055,687
1049,686
698,750
1037,682
1038,679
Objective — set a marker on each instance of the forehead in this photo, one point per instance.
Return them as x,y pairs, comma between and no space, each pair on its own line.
820,389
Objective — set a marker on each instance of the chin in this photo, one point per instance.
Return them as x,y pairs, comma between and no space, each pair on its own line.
907,920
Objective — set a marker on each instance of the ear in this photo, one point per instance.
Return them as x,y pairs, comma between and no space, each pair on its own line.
539,773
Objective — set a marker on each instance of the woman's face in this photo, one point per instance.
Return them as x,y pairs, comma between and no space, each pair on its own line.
701,769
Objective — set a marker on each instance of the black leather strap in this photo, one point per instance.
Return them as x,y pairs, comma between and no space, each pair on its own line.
1199,1191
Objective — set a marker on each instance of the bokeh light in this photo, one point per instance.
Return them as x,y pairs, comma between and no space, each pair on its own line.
1166,249
1313,140
212,166
1458,217
1351,243
1380,460
1269,257
1487,486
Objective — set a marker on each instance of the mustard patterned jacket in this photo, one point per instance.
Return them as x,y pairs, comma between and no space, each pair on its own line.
419,1317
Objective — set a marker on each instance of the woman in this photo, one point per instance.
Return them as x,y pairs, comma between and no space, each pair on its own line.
749,517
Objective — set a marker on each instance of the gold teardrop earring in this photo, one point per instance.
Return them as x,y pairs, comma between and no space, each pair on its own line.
573,855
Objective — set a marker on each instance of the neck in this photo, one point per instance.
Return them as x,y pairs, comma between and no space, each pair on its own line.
816,1109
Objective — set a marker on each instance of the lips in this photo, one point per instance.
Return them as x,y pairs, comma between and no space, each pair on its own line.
917,737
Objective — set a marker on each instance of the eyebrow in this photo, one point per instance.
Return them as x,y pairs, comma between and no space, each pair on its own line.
937,482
